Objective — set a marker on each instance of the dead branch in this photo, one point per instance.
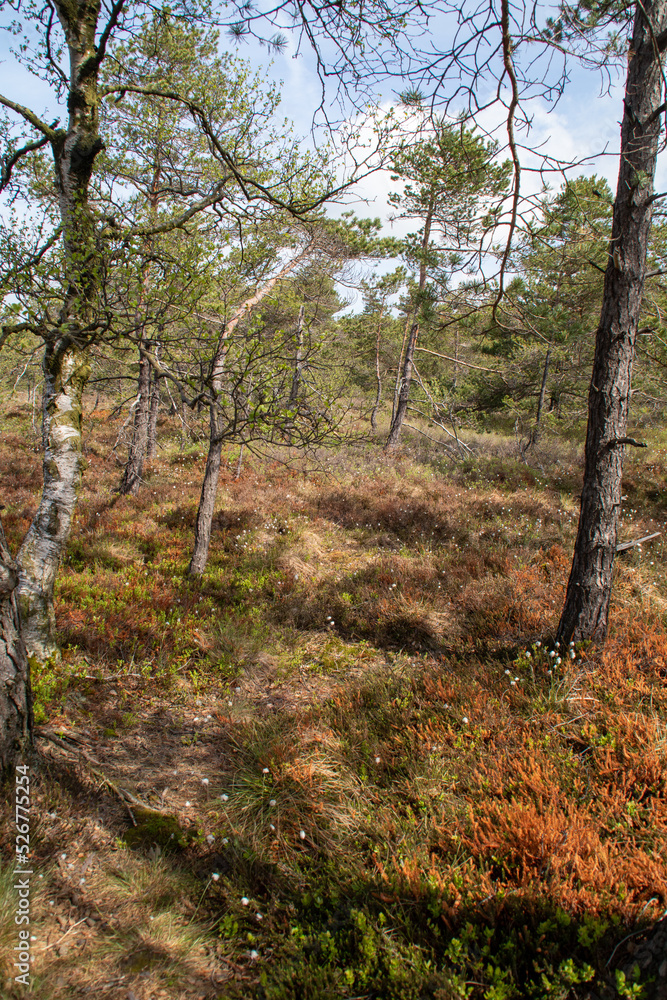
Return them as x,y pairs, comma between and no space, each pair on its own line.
624,546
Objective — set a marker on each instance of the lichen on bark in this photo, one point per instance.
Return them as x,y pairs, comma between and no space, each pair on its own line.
66,372
15,701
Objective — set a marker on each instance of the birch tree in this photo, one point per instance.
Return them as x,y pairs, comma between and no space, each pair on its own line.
15,706
66,44
215,388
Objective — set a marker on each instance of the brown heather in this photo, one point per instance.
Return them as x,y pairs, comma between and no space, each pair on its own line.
346,671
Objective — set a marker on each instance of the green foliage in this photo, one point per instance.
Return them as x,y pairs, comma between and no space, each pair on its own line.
628,990
452,183
154,829
543,341
351,951
50,680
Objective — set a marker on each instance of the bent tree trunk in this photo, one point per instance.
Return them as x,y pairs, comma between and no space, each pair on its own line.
66,372
209,492
298,359
297,374
586,609
212,472
15,702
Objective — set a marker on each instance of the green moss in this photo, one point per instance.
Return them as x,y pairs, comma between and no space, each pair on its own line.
156,829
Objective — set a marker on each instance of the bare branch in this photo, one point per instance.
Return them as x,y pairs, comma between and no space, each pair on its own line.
508,63
11,161
247,184
458,361
110,25
30,116
49,55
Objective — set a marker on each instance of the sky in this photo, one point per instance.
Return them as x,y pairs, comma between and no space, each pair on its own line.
584,126
583,123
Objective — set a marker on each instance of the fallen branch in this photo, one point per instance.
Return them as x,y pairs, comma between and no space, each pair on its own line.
624,546
60,940
127,798
443,444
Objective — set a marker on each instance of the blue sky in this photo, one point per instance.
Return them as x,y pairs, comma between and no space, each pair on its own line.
583,126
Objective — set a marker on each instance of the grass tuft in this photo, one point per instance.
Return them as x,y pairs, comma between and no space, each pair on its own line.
382,778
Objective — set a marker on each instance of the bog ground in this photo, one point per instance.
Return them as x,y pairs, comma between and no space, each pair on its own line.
349,763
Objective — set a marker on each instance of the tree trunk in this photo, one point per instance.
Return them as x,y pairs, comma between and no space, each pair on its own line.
209,492
535,433
145,426
586,607
298,359
65,376
456,358
134,467
212,472
401,403
239,464
184,427
399,370
378,394
65,360
296,374
151,444
15,701
404,392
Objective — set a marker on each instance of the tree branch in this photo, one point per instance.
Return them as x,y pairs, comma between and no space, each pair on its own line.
624,546
110,25
508,64
247,184
627,440
661,40
656,114
171,224
457,361
30,117
11,161
49,55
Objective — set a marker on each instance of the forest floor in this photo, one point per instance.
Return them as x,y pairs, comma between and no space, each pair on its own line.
366,771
